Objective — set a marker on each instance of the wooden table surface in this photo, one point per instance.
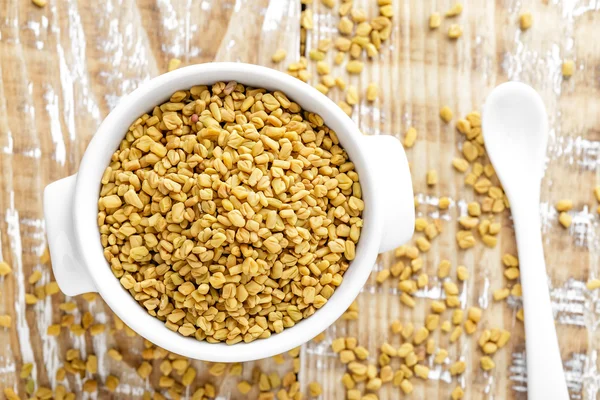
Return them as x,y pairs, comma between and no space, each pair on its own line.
65,66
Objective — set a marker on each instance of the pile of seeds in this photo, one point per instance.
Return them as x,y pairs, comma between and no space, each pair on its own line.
230,213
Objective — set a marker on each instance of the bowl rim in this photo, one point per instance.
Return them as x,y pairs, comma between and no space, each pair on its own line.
111,132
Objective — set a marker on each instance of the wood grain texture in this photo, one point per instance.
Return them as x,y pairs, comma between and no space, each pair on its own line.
65,66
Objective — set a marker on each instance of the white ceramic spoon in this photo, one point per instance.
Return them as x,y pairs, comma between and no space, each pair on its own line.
515,129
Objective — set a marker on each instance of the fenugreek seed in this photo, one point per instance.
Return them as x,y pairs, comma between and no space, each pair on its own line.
408,330
347,356
511,273
444,269
432,177
489,241
406,386
501,294
564,205
462,273
314,389
503,339
306,19
352,95
438,306
509,260
112,382
457,393
5,269
244,387
457,317
279,55
410,137
354,67
435,20
361,353
486,363
5,321
593,284
521,315
407,300
421,371
565,219
525,21
456,334
372,91
421,335
446,114
458,368
174,63
455,10
440,356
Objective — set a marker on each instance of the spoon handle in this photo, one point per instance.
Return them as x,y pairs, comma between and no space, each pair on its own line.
545,376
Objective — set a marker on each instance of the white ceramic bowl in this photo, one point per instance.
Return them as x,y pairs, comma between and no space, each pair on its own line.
70,210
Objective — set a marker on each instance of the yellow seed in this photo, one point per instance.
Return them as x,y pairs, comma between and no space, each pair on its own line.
444,203
354,67
435,20
432,177
397,326
440,356
314,388
503,339
306,19
111,383
40,3
516,290
494,228
421,371
464,127
30,299
346,356
565,219
474,314
408,330
35,277
432,321
53,330
460,164
446,326
357,368
470,152
406,386
423,244
382,275
597,193
456,334
446,114
501,294
525,21
279,55
244,387
438,307
455,31
372,91
352,95
421,335
5,269
5,321
470,327
457,316
430,346
564,205
468,222
593,284
361,353
521,315
410,137
338,345
489,348
462,273
174,63
457,393
407,300
509,260
458,368
486,363
511,273
489,240
455,10
444,269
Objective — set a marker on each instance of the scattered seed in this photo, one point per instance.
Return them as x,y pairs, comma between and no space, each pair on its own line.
435,20
455,31
525,21
279,55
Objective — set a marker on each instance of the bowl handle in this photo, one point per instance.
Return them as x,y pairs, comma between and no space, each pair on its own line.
394,189
68,266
